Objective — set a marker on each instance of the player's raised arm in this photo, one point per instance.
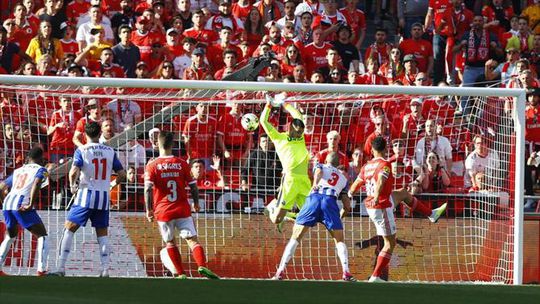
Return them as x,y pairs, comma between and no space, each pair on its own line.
267,126
293,111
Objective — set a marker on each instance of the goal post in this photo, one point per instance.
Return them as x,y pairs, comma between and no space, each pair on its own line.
485,249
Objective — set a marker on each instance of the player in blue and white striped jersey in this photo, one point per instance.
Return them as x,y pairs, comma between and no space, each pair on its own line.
329,184
25,184
90,181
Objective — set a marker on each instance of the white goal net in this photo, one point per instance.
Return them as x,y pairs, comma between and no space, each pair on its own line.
469,160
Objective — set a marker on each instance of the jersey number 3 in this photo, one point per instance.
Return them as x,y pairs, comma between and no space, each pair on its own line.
332,181
172,188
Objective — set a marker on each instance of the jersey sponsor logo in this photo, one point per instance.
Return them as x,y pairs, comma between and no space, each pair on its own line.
169,166
295,139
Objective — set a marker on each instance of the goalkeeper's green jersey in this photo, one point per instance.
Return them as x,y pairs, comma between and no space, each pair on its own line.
292,152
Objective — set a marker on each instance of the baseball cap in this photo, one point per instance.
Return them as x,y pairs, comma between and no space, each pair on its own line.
409,57
416,100
171,30
198,51
96,29
225,2
153,131
92,102
140,63
74,66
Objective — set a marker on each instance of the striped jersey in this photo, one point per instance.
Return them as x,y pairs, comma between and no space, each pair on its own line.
332,182
96,161
21,183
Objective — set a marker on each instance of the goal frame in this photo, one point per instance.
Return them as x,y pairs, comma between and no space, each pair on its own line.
518,115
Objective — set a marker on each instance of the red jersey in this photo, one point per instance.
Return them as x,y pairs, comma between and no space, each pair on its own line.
444,112
210,180
69,47
421,49
241,12
81,124
202,137
442,12
356,20
170,176
145,41
202,36
62,136
370,174
379,52
489,15
462,21
215,55
75,9
532,124
233,133
315,57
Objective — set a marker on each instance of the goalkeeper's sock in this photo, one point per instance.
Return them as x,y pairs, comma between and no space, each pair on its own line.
43,253
175,257
382,262
287,254
343,256
104,252
420,207
291,216
198,255
65,248
4,249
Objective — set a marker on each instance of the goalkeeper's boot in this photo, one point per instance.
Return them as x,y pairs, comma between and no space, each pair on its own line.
347,276
3,274
373,279
437,212
207,273
182,277
42,273
57,274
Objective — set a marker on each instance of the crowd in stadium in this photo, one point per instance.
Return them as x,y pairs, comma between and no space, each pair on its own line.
438,42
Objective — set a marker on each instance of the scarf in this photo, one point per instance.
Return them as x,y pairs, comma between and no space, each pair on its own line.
273,11
217,23
480,53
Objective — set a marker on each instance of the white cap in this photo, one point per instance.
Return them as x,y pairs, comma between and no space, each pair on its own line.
153,131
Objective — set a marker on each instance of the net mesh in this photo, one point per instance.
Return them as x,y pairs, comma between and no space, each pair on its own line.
474,174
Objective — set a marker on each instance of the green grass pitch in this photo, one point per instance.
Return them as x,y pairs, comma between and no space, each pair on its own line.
30,290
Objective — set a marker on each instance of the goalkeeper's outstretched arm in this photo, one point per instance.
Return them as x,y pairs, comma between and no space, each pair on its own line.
293,111
267,126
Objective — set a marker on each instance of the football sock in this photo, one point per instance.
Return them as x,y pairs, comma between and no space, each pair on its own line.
4,248
287,254
420,207
104,252
176,259
198,255
343,256
290,216
382,262
65,248
43,252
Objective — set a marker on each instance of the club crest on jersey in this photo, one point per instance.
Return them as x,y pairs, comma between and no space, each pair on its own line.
386,169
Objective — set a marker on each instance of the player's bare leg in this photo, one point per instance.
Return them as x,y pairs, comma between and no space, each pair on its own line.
408,199
9,238
200,258
65,247
384,257
104,251
40,232
298,233
343,254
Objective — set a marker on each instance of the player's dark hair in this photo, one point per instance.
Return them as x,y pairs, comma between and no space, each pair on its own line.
92,129
35,154
379,144
197,161
166,139
263,136
298,123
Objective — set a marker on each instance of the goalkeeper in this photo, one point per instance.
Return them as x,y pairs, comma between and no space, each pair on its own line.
291,148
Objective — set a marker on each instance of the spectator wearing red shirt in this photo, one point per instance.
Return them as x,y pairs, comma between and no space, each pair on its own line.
143,38
104,64
93,113
226,19
254,29
277,42
439,109
332,139
380,49
75,9
291,59
233,140
372,75
198,31
440,14
143,5
207,179
524,40
173,48
393,70
25,28
200,135
215,51
241,9
356,20
229,58
497,17
381,129
412,125
8,52
313,134
314,54
69,45
421,49
198,70
270,10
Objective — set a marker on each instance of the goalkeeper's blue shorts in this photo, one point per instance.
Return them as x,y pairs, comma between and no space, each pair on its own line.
320,208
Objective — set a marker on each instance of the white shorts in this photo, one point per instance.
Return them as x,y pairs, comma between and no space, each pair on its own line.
384,221
184,225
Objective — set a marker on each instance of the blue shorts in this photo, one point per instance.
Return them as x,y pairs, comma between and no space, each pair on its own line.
27,219
320,208
80,215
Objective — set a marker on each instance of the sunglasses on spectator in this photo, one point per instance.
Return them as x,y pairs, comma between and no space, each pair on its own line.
91,107
421,79
396,52
334,73
167,66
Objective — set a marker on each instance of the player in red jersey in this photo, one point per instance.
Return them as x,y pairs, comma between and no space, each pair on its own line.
377,176
165,179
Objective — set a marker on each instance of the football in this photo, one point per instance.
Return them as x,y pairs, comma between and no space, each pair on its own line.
250,122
